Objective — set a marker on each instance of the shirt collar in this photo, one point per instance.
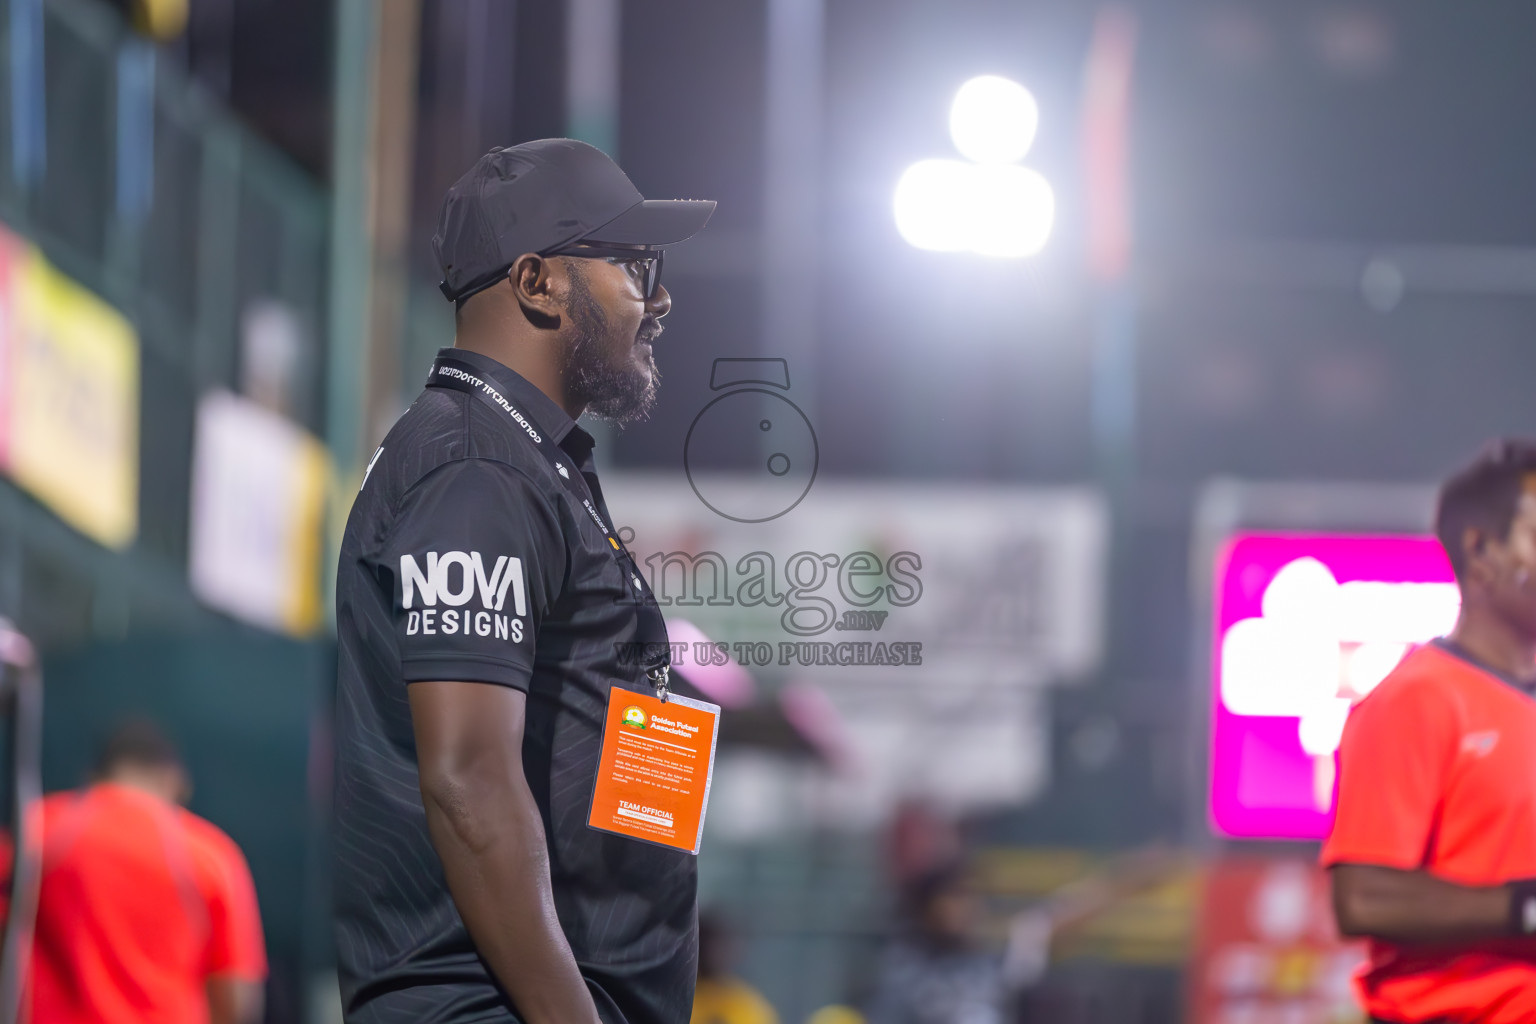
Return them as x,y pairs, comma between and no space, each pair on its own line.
1455,650
550,418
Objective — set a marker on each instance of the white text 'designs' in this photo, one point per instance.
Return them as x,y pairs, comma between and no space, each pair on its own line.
436,589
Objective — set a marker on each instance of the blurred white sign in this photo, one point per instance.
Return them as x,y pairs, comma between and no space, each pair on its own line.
258,499
950,749
929,614
998,585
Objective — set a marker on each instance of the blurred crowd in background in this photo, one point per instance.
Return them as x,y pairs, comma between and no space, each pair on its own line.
1114,366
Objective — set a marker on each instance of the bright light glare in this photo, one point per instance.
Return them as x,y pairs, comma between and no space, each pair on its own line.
993,120
993,210
932,210
1013,211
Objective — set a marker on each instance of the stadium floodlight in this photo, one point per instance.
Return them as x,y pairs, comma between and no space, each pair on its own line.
1012,212
993,120
988,205
932,205
1000,210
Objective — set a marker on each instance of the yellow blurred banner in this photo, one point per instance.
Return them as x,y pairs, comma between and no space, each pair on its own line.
69,397
1143,915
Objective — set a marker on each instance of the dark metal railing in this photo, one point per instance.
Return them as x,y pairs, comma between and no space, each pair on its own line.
21,704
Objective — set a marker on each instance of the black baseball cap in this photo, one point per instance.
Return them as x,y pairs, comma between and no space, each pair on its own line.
540,196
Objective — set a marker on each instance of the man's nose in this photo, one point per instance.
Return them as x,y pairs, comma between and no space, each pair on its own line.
659,304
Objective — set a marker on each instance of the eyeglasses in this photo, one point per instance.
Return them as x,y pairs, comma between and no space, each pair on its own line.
642,265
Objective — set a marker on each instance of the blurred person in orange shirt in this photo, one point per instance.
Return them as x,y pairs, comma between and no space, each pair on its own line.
147,912
720,997
1433,846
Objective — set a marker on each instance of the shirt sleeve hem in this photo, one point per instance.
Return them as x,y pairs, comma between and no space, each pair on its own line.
461,669
1369,858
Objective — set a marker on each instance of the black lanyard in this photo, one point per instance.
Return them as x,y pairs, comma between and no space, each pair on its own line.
656,652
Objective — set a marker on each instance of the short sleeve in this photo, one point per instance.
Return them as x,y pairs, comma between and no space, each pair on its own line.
1397,748
235,943
475,554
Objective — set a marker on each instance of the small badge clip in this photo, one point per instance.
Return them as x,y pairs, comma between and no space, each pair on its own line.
660,678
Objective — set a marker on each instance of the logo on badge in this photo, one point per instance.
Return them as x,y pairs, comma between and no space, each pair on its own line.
634,717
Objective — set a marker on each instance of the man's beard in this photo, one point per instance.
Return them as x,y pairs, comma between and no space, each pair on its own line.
615,390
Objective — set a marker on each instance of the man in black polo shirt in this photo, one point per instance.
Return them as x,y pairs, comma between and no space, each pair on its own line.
483,610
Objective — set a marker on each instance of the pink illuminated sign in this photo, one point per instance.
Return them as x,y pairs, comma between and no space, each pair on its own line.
1306,625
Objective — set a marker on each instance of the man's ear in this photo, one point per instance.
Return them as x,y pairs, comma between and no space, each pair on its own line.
1474,545
538,284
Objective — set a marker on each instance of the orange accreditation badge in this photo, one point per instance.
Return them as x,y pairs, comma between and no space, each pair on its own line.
653,779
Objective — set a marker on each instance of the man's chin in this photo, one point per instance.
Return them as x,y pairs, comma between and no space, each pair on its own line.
627,416
630,404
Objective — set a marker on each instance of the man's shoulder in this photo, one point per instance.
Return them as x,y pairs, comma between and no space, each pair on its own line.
1433,668
48,813
54,803
1426,665
443,427
208,837
217,861
1428,680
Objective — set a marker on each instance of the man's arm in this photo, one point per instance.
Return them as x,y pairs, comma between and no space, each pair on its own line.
234,1000
489,835
1415,906
237,953
1398,748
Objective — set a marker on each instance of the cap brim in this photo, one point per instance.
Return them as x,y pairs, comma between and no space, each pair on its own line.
655,222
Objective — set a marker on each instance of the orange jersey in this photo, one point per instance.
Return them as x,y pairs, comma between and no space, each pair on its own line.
1437,772
141,903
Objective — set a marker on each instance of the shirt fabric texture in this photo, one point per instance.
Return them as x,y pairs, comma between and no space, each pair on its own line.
467,558
141,903
1437,772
